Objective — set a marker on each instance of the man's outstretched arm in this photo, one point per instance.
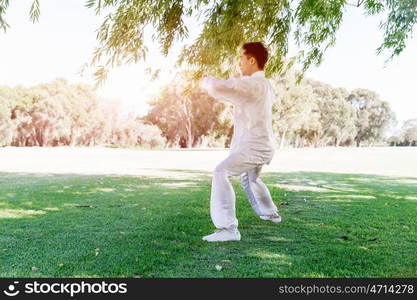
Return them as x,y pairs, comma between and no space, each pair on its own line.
234,90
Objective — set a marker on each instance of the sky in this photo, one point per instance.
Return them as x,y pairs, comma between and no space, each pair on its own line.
65,36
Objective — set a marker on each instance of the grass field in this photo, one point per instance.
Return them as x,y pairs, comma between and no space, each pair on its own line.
115,225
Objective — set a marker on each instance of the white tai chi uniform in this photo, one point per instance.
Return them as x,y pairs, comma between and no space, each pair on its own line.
253,145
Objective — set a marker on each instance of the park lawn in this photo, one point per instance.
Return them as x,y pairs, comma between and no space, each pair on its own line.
335,225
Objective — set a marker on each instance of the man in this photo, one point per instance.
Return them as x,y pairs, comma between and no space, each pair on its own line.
253,143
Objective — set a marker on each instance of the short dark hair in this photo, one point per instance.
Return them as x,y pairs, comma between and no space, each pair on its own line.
258,51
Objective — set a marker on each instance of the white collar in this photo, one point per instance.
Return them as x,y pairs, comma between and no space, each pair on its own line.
258,74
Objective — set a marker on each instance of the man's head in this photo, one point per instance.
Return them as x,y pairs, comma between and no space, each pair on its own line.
254,57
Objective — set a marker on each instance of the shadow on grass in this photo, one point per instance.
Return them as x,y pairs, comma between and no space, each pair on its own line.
335,225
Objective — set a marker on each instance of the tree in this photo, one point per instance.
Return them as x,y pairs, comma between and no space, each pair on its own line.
311,113
227,24
7,124
184,113
394,140
409,132
20,102
58,113
337,116
55,113
373,115
293,109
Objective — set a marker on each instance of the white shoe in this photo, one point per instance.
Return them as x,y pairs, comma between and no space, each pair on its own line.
223,235
273,219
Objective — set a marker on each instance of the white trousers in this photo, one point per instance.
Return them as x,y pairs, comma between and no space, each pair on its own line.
222,202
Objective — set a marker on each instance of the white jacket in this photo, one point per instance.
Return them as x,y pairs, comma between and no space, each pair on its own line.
252,98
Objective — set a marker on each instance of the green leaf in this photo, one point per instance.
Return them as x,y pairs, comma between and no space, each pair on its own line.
35,12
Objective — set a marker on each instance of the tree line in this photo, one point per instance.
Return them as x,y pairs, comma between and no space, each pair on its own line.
62,114
309,113
406,136
305,114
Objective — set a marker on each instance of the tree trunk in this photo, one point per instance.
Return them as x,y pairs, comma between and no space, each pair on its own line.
298,142
282,139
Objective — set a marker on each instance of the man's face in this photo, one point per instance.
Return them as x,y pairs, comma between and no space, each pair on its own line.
246,64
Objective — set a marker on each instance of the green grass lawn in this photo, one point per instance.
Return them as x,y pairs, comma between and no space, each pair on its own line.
335,225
